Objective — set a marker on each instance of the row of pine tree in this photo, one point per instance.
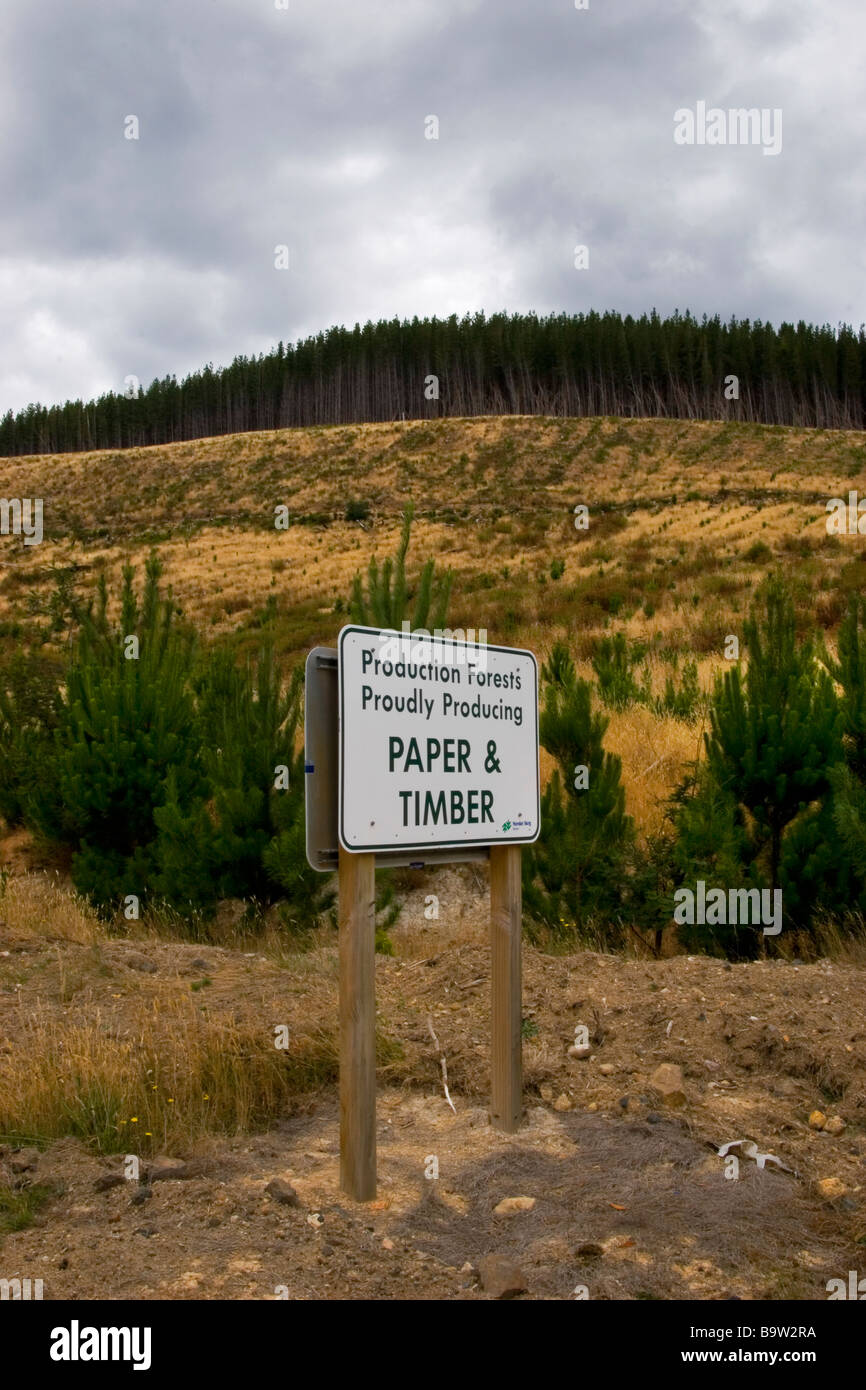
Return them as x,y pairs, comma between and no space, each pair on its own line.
567,365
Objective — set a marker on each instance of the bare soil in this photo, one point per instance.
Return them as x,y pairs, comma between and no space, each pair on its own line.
631,1197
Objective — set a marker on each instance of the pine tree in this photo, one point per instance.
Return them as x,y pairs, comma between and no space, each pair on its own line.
29,714
386,601
580,364
712,844
574,875
127,720
849,778
850,672
759,813
245,837
775,735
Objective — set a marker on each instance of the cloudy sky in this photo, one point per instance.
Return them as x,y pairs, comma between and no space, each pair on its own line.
306,127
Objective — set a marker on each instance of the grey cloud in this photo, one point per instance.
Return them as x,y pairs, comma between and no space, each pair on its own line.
260,127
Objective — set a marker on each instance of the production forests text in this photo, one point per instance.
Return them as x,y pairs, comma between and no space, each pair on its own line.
420,704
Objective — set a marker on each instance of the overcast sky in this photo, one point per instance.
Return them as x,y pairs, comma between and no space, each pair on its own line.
305,127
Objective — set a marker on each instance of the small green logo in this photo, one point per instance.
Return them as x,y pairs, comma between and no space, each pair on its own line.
506,825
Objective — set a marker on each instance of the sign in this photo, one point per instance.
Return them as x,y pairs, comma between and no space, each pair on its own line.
418,749
438,742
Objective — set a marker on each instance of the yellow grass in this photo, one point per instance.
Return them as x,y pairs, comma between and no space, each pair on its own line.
172,1076
656,751
93,1047
41,906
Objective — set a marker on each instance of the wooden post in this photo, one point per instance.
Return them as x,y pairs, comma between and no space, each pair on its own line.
506,1093
357,881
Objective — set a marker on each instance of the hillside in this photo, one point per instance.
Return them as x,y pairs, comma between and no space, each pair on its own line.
684,520
684,500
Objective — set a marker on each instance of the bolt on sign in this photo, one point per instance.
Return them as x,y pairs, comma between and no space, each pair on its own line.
438,742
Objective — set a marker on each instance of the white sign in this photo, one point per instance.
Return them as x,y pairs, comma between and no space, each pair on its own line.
438,742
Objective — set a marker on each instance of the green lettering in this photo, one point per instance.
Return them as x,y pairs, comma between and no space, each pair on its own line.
437,809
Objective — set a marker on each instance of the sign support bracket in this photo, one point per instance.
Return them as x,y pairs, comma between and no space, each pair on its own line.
357,912
506,1057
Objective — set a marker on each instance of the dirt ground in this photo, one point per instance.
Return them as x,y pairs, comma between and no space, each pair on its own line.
625,1208
630,1196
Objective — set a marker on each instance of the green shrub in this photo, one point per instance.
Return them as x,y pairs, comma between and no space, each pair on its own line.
29,714
848,779
126,723
171,774
758,553
614,664
850,672
246,831
683,701
558,670
388,909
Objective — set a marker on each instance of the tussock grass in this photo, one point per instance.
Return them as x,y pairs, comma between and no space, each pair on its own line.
41,905
171,1075
841,938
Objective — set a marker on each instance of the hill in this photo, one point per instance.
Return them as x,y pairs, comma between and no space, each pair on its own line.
684,519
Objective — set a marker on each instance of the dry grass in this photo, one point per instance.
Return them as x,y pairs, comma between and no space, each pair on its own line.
95,1045
841,939
172,1075
675,505
656,751
42,907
